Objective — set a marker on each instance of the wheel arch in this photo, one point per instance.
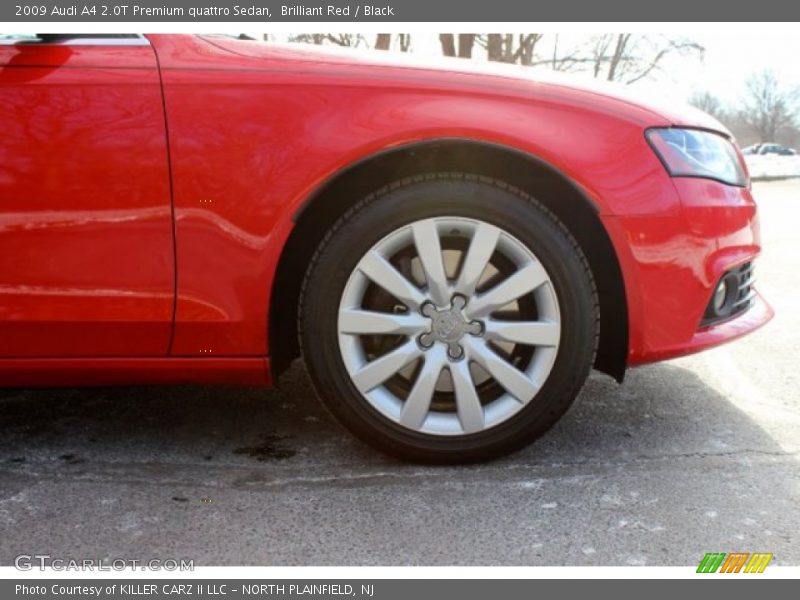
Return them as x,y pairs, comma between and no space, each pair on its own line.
566,199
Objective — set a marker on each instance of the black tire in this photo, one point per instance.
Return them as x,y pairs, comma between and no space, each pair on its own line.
421,197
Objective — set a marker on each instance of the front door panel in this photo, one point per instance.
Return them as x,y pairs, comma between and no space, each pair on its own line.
86,246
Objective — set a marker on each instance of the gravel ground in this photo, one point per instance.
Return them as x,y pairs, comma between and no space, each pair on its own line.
690,456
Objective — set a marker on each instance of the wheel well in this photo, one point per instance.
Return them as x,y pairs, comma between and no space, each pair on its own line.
526,172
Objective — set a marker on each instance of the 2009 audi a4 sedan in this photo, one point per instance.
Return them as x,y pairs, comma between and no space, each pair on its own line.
449,251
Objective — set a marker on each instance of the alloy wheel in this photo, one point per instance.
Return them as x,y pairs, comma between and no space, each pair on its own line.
449,326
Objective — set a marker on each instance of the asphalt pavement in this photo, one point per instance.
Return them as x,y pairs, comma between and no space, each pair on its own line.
689,456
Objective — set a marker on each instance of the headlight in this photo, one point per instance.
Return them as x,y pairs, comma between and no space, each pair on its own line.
697,153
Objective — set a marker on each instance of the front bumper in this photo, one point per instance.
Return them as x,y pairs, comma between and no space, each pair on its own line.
754,317
673,261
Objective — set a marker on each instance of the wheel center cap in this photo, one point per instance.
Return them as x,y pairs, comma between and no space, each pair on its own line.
449,325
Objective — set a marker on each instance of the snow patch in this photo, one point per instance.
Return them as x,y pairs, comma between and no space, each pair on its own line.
772,166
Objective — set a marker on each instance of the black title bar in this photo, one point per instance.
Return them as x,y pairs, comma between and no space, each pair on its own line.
394,11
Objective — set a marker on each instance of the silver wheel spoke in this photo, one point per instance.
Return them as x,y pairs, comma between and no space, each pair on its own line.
418,403
379,370
381,271
429,249
368,322
517,285
470,411
481,248
531,333
507,375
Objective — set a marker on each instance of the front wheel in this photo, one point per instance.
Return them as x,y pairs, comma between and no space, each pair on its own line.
448,319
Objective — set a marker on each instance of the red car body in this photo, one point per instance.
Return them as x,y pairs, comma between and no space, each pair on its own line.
158,200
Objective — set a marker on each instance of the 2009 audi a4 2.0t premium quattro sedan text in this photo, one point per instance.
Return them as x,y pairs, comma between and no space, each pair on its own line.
450,251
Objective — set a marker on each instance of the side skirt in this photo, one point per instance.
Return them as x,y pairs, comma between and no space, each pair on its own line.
58,372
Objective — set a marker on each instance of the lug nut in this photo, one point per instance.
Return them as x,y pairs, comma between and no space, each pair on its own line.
428,309
455,351
458,301
426,340
475,328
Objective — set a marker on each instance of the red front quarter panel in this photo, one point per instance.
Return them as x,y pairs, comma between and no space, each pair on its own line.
252,139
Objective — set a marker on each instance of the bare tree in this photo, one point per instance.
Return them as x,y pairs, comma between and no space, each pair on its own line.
461,47
353,40
448,42
497,48
527,47
618,55
708,102
561,60
510,48
600,49
383,41
309,38
466,42
629,58
769,107
623,57
265,37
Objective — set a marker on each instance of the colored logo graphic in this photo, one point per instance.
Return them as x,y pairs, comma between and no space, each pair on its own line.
737,562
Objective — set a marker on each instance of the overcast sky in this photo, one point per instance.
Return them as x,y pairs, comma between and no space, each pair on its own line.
731,58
